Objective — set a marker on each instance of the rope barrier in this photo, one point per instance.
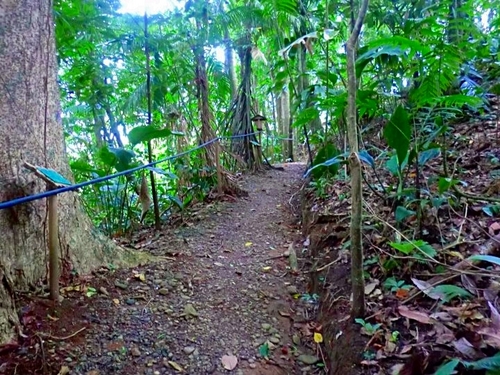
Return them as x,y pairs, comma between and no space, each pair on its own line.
49,193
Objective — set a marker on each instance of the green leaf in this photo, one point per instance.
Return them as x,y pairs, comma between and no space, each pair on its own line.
264,350
147,133
123,158
392,165
366,158
408,247
326,161
448,368
397,133
490,363
492,210
427,155
447,292
175,199
306,116
445,183
403,213
486,258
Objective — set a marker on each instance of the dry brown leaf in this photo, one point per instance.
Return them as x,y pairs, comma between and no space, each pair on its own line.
495,317
229,362
492,336
419,316
427,289
465,347
144,197
469,284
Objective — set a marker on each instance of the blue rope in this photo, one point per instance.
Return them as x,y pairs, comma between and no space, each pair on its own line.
46,194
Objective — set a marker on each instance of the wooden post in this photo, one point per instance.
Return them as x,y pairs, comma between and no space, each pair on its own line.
53,180
54,269
218,166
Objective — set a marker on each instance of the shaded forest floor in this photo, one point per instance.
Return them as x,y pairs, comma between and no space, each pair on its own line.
222,293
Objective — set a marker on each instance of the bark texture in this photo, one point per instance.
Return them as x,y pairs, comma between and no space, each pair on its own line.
31,130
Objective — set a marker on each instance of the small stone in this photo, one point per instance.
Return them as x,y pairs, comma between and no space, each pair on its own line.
121,285
292,289
308,359
104,291
135,351
275,340
189,349
266,326
252,365
163,291
130,301
93,372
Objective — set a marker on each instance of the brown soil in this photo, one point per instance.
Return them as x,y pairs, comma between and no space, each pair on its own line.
222,287
344,345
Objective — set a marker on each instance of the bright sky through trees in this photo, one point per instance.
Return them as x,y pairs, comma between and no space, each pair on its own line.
151,6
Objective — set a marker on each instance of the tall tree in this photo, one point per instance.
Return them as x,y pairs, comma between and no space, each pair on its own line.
31,131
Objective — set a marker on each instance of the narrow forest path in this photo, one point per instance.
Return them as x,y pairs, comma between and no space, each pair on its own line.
223,290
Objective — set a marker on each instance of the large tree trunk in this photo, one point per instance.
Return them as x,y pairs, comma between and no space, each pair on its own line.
242,123
31,131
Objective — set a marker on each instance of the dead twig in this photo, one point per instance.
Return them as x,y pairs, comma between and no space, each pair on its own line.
57,338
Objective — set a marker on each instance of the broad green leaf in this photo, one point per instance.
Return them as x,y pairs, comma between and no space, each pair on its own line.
445,183
449,292
306,116
490,363
405,247
486,258
492,210
448,368
366,158
409,247
397,133
175,199
392,165
326,161
425,156
403,213
147,133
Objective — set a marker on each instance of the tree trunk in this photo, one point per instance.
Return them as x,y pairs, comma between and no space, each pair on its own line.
358,283
229,65
31,131
287,120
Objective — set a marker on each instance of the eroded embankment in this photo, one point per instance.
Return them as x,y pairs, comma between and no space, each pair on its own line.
327,234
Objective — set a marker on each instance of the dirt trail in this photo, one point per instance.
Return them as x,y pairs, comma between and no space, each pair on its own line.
223,290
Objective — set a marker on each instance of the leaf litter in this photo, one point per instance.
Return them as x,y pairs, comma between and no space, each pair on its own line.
440,312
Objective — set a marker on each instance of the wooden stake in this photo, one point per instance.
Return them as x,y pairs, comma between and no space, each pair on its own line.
54,272
219,169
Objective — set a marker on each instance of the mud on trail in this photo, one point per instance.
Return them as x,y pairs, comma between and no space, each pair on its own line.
223,292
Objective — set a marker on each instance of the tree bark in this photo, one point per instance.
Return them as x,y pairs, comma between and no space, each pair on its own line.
358,283
31,130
